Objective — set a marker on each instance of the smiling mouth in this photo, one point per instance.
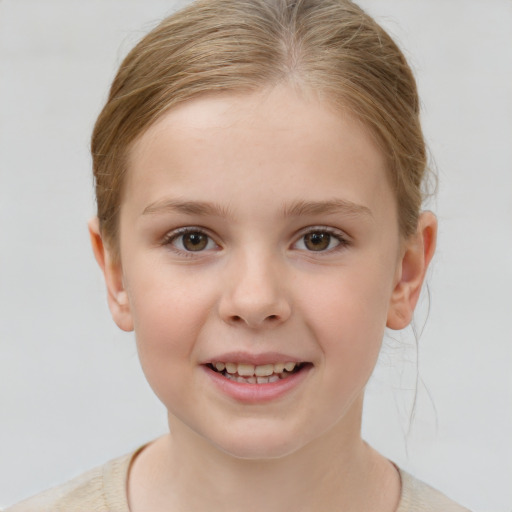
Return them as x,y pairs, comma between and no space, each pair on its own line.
256,374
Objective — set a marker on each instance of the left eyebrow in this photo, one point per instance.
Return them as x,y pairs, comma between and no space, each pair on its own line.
333,206
187,207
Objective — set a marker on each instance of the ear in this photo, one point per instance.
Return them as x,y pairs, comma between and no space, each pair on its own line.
112,271
417,253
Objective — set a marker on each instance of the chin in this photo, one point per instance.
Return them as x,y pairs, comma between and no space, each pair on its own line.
258,451
262,444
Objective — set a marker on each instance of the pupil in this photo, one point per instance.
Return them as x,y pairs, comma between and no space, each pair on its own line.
195,241
317,241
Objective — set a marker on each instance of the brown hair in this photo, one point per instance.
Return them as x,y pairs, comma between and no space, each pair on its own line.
329,46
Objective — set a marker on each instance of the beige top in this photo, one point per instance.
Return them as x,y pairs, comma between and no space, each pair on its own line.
103,489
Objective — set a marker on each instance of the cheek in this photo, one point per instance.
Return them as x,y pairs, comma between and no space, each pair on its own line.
168,314
349,302
347,316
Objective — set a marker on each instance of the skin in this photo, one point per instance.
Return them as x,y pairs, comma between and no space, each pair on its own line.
265,168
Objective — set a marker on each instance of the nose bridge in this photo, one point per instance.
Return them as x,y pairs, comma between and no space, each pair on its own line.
255,291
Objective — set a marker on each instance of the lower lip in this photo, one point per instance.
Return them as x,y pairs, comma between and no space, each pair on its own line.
257,393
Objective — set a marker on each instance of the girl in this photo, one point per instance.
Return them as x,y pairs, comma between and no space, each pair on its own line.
259,168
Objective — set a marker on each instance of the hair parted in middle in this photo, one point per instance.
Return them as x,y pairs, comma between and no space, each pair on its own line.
329,47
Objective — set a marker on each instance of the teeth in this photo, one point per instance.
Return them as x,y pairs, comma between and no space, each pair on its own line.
279,368
246,370
263,371
231,367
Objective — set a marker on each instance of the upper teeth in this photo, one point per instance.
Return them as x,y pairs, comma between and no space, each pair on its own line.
248,370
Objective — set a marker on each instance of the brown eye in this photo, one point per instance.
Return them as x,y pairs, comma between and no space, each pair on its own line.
321,240
317,241
194,241
189,240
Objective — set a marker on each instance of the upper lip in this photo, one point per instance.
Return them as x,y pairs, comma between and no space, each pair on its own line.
255,359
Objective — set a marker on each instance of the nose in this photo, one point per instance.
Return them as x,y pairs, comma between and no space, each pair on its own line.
255,294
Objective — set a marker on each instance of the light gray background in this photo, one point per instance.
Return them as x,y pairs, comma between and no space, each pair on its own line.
72,394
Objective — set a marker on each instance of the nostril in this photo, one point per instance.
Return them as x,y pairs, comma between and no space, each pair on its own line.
237,319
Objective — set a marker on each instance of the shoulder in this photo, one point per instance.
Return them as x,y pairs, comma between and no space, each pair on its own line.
417,496
102,489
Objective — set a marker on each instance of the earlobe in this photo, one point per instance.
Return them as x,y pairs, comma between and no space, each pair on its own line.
117,296
417,254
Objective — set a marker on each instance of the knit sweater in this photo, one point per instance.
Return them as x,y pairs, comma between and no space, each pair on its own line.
103,489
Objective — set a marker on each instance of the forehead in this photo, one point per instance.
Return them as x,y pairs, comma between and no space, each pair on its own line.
277,143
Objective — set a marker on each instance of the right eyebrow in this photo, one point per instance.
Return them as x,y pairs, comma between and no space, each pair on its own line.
200,208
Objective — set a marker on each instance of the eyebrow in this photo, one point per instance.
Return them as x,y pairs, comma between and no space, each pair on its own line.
200,208
333,206
295,209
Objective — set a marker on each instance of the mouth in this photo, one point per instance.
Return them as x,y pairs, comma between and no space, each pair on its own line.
257,374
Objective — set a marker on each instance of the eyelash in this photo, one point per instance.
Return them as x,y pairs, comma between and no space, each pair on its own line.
178,233
339,236
173,236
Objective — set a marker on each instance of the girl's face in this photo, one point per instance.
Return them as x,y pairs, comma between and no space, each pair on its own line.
260,263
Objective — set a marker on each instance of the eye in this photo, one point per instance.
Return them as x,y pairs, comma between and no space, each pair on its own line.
190,240
320,240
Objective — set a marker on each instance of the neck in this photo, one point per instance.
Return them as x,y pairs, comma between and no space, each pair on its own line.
336,472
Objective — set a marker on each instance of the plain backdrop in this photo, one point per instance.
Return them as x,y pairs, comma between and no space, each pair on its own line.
72,394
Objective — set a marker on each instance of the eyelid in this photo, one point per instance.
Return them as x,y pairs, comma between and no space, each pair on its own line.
174,234
343,239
